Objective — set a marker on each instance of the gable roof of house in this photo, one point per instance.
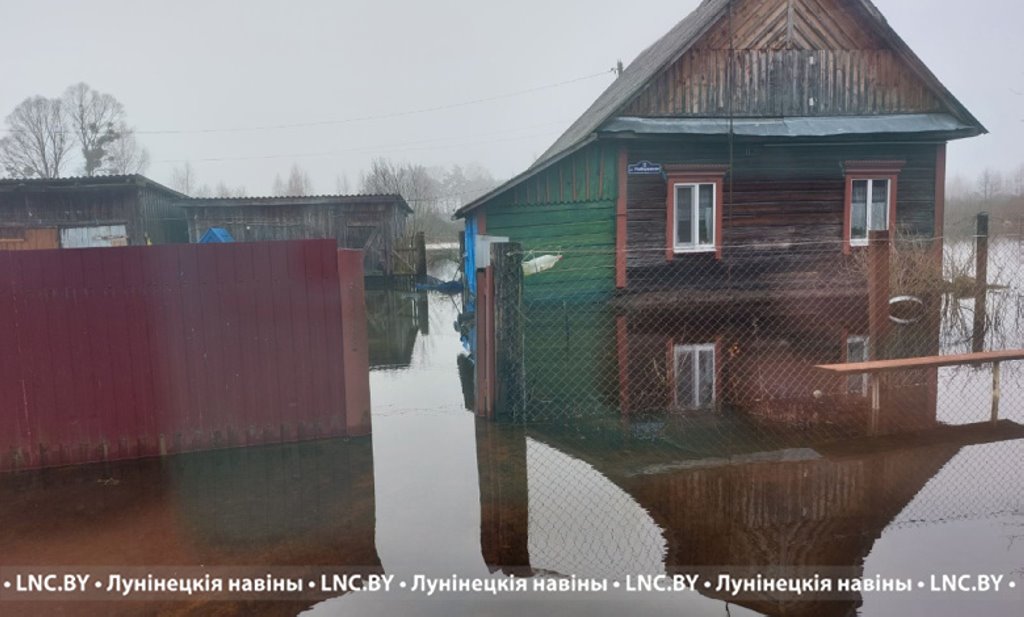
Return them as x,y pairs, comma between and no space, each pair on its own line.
670,48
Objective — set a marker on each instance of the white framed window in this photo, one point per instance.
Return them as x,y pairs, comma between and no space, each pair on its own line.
694,367
869,208
857,351
694,213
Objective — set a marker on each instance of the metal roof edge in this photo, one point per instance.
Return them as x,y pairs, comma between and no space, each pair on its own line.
98,181
293,200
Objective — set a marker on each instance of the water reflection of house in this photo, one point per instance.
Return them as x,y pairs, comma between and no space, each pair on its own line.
88,212
752,361
750,132
758,361
776,513
394,320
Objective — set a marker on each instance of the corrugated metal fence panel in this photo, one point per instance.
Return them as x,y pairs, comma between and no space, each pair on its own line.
138,351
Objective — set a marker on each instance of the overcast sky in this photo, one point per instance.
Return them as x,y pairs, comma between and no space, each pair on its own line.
209,65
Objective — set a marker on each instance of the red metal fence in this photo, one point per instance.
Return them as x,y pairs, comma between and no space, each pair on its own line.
129,352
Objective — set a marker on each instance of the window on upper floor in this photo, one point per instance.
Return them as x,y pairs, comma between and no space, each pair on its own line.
694,209
870,203
694,217
869,208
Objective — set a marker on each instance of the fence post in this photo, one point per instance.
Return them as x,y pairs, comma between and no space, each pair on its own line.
878,292
980,284
510,375
420,247
484,344
462,267
355,352
878,314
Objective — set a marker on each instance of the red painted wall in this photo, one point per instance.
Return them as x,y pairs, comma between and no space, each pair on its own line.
130,352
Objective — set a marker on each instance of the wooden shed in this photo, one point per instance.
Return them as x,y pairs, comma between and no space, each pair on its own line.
85,212
751,129
373,223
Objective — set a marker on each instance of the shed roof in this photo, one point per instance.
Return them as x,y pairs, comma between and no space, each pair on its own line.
297,201
83,182
670,48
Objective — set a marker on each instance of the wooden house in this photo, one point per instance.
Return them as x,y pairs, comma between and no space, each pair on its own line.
88,212
751,131
373,223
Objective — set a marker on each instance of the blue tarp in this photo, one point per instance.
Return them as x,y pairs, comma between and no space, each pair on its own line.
216,235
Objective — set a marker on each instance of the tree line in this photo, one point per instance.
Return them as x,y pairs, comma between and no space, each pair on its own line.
82,128
999,193
86,132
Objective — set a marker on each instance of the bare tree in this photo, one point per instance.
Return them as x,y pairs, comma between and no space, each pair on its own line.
184,179
126,156
341,185
223,190
278,188
420,187
413,182
97,121
297,184
1017,181
990,184
464,184
38,142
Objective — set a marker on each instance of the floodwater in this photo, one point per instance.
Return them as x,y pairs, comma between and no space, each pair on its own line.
437,492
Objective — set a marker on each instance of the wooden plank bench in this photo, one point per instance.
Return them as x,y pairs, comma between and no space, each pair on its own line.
874,368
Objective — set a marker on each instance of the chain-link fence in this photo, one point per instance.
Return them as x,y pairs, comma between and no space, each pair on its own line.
705,346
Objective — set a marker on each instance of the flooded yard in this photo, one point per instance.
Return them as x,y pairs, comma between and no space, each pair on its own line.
437,492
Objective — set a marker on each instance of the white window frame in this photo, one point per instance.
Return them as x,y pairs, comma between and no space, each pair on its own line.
695,351
857,384
867,221
695,246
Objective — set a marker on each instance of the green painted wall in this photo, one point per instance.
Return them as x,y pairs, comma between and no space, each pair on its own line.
571,361
568,209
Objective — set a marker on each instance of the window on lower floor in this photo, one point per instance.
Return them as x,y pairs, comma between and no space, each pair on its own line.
857,351
694,367
695,209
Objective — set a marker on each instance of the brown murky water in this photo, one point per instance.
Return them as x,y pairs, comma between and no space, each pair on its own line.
436,492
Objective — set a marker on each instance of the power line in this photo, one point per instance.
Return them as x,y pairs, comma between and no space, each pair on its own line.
410,146
399,114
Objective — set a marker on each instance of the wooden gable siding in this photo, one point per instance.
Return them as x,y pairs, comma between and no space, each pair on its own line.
790,58
586,176
567,209
788,195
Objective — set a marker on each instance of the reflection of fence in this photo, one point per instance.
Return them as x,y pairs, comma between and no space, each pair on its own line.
732,341
141,351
